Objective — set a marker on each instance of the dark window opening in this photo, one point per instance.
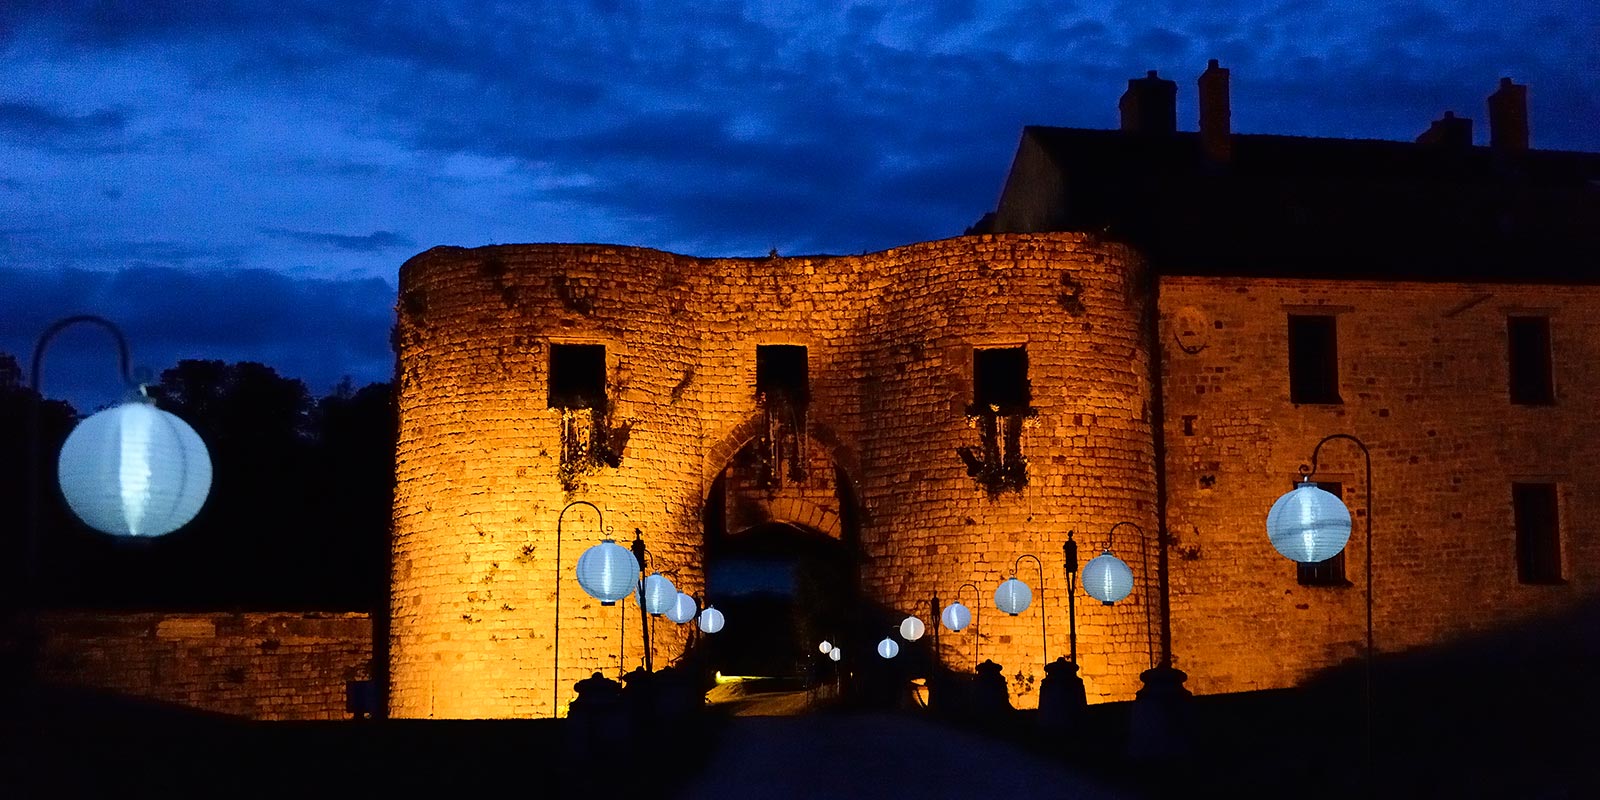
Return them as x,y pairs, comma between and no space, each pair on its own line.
781,371
1528,349
1000,379
1330,572
578,376
1533,506
1313,359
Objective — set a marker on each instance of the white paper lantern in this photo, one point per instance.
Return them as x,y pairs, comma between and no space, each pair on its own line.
888,648
711,620
1013,597
607,572
659,594
911,629
1106,578
955,617
134,470
683,609
825,647
835,653
1308,524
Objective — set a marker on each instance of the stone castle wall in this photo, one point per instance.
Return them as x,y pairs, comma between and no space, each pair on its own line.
889,338
258,665
1423,375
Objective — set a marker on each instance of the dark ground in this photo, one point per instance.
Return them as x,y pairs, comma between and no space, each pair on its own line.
1507,715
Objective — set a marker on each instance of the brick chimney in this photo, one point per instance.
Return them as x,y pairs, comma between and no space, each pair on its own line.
1508,117
1216,115
1451,131
1150,105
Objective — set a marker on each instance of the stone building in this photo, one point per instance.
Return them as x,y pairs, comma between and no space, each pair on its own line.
1153,327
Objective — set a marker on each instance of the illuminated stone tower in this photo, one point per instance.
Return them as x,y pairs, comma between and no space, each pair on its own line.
976,398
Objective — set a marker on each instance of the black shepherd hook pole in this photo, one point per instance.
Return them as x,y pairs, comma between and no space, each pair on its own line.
977,606
1367,683
1044,629
555,667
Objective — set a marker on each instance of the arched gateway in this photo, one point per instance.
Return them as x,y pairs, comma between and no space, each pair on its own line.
933,411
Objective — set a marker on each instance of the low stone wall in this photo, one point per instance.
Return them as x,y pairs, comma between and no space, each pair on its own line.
258,665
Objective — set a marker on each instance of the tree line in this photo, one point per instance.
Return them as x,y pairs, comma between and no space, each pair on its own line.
297,518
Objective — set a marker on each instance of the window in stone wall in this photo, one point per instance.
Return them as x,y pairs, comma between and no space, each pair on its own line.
1534,508
781,370
577,376
1330,572
1000,380
1528,351
1313,359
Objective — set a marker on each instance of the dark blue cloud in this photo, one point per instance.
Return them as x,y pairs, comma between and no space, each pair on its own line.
323,141
40,125
314,329
370,243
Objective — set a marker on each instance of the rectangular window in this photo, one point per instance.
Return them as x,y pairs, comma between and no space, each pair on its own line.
781,370
1313,359
577,376
1330,572
1000,379
1533,506
1528,351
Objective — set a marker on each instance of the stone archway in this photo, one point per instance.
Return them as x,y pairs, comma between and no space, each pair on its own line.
781,548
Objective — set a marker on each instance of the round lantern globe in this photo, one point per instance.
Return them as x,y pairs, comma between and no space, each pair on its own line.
134,470
711,620
683,609
1106,578
835,654
911,629
955,617
888,648
1013,597
607,572
1308,524
659,594
825,647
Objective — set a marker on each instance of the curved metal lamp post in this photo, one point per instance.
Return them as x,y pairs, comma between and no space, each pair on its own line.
1303,526
35,468
939,613
130,470
555,667
1144,560
1044,630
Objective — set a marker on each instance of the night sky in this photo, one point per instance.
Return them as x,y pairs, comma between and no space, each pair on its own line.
241,180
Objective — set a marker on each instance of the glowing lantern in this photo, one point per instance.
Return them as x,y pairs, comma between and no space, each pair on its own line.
659,594
825,647
1013,597
135,470
711,620
1308,524
911,629
835,653
607,572
955,617
683,609
1106,578
888,648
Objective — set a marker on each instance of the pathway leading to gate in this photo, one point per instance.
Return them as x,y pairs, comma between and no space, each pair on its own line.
877,756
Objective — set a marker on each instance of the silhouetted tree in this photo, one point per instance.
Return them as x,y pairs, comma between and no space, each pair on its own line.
297,516
56,419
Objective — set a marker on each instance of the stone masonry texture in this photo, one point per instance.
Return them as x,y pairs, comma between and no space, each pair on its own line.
1423,376
258,665
890,338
